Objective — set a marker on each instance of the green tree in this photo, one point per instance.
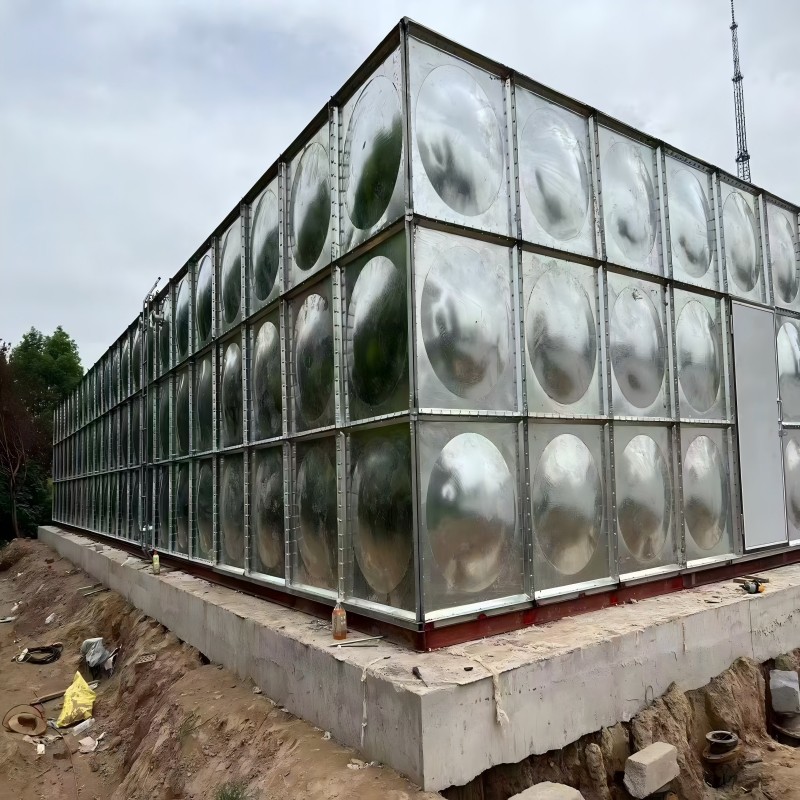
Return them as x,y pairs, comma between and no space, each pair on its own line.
45,369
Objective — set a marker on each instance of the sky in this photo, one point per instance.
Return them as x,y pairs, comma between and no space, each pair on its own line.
128,129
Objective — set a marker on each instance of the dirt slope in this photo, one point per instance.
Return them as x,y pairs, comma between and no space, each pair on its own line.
179,728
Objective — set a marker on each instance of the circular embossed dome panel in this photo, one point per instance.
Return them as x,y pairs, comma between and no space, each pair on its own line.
317,540
205,509
561,336
204,313
203,405
567,504
232,395
459,140
470,512
689,213
181,320
163,421
784,257
381,508
311,206
554,175
465,322
637,347
313,359
266,387
377,346
705,492
163,337
182,413
741,242
163,511
373,150
644,498
791,466
232,511
231,273
268,511
789,368
699,363
182,510
629,200
264,245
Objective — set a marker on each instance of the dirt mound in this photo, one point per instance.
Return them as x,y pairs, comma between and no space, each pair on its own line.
174,728
14,551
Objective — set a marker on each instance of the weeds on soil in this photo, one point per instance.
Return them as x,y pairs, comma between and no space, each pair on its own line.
187,727
232,791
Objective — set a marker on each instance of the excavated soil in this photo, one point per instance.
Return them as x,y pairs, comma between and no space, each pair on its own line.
178,728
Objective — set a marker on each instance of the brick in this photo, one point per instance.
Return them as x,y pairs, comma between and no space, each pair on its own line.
549,791
651,769
785,690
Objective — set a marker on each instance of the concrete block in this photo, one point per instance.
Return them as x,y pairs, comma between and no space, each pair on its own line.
785,689
651,769
549,791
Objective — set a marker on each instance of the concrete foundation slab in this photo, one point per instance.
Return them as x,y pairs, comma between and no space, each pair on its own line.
489,702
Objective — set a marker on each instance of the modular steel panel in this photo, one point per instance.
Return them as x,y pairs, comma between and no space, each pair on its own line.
783,256
569,521
760,454
470,520
181,495
788,344
229,277
376,331
630,202
555,175
464,303
562,336
204,296
371,159
310,203
458,157
231,512
791,475
266,379
268,547
265,271
709,502
203,516
742,248
230,382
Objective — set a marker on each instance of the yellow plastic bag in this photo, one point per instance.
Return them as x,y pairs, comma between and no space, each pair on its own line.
78,703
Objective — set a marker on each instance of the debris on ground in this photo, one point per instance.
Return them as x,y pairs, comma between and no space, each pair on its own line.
78,702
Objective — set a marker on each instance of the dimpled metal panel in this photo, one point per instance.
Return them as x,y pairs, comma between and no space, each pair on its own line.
464,317
163,420
629,202
567,500
783,255
313,361
231,519
470,512
316,508
311,206
644,498
231,411
789,369
163,509
791,468
203,310
125,367
705,493
554,174
204,410
231,273
698,357
182,319
204,509
182,510
690,234
380,506
373,150
182,414
136,359
266,388
267,511
560,333
637,347
741,242
459,140
377,341
164,336
265,245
